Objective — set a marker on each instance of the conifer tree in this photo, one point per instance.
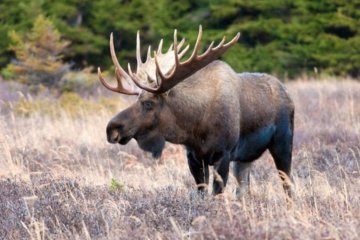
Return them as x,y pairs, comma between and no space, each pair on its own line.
38,55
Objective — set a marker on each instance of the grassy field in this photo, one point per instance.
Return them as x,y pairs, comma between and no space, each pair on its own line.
60,179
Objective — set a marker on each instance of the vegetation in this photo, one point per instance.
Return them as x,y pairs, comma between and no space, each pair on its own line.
69,103
284,37
38,55
115,185
60,179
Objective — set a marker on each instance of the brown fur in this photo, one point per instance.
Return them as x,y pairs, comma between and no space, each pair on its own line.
210,113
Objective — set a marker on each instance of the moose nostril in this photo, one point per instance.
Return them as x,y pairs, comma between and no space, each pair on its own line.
114,136
112,126
114,131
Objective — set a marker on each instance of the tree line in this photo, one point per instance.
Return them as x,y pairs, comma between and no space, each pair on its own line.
283,37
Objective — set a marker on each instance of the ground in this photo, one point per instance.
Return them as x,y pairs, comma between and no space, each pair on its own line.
60,179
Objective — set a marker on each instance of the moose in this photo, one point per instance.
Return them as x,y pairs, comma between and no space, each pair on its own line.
220,116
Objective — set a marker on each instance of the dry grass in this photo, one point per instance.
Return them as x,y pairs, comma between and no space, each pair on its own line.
57,177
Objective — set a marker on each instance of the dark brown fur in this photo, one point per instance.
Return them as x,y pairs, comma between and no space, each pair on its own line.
219,116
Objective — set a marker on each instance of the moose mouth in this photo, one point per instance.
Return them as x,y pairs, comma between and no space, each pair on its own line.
124,140
115,137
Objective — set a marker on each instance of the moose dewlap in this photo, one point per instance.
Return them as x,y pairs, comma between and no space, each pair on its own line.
202,103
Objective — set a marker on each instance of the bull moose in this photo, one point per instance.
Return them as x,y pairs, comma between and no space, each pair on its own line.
220,116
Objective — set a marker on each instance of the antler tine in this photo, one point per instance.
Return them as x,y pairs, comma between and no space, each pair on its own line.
177,61
178,47
233,41
207,50
159,74
119,88
120,74
158,70
112,52
159,51
148,56
220,44
170,48
197,44
138,55
182,53
181,43
103,81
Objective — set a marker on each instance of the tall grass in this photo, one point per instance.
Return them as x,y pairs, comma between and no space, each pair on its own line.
58,176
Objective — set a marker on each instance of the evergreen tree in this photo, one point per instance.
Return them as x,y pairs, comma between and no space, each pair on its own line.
38,55
289,38
283,37
16,16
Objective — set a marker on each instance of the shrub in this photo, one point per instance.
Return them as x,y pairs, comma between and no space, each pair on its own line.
115,185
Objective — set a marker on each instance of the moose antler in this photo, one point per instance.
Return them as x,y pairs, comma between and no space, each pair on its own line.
183,70
124,82
178,72
149,65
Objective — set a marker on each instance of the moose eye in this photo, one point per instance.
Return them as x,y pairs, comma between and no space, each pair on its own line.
148,105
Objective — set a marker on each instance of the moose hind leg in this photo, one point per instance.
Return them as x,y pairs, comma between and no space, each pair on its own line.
281,151
200,172
242,174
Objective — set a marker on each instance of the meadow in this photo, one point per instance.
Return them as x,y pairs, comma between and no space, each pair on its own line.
60,179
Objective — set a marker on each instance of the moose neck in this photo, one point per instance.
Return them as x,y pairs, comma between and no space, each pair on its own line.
187,103
196,107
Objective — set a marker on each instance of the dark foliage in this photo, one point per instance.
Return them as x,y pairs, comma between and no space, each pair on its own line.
284,37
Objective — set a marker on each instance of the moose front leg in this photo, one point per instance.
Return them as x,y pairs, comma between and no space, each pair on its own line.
242,175
221,174
200,171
